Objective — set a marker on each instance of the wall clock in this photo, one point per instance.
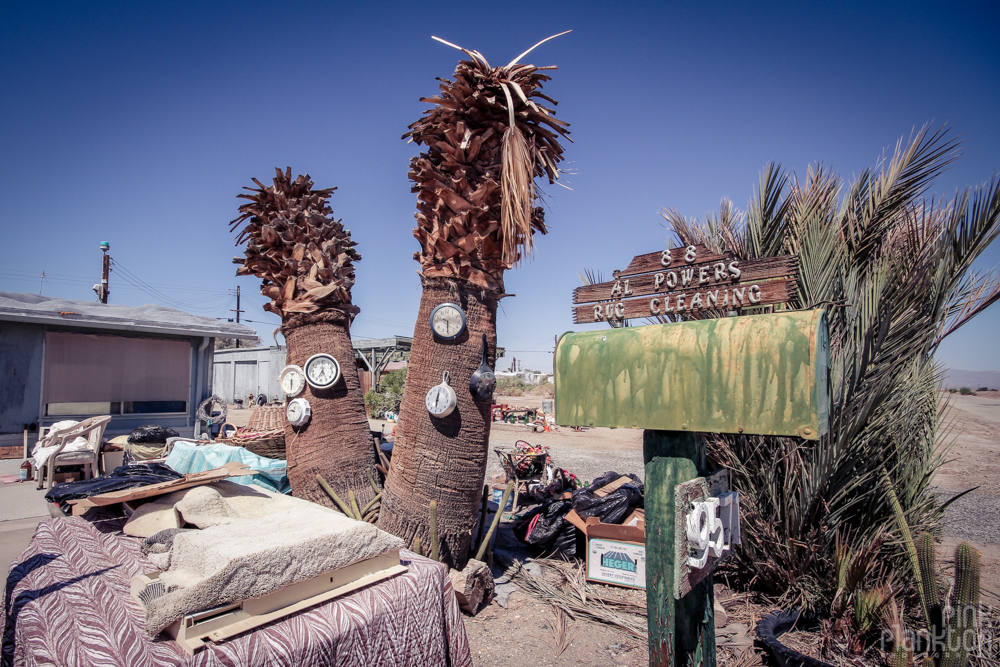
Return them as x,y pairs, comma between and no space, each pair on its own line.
298,411
292,380
441,399
448,321
322,371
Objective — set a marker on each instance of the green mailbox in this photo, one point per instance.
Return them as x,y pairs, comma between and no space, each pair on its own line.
761,374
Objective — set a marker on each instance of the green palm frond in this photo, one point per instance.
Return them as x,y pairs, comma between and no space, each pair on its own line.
894,273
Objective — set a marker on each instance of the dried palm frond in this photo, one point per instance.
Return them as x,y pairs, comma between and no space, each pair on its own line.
487,138
592,610
302,254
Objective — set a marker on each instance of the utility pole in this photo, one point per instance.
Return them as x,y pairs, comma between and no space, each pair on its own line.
237,311
102,289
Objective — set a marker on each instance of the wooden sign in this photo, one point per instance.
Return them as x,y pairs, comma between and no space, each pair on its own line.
682,280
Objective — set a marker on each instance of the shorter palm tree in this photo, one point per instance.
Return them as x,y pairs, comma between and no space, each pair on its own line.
305,259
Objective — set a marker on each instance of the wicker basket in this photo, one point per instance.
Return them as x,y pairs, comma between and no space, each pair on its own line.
264,434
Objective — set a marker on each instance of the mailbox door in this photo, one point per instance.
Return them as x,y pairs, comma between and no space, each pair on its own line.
764,374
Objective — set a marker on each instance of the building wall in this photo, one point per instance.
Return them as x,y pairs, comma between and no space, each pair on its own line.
239,373
21,377
21,350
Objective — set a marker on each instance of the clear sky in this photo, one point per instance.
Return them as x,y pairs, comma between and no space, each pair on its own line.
138,123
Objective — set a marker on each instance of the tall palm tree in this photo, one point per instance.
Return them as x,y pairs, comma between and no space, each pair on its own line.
487,138
893,271
305,259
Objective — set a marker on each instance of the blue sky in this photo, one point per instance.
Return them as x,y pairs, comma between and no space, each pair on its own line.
139,123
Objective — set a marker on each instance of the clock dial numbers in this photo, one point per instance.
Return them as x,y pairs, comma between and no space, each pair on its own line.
322,371
447,321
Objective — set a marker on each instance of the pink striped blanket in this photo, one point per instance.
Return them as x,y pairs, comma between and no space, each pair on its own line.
67,602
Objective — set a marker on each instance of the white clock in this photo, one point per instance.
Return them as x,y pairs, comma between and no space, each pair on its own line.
298,411
448,321
292,380
322,371
441,398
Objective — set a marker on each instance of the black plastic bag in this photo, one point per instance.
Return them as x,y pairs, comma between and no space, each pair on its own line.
123,477
152,434
614,507
546,528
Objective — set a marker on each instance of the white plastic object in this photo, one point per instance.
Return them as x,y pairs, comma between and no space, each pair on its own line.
298,411
712,527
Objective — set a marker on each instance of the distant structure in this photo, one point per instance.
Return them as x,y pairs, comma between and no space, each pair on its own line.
66,359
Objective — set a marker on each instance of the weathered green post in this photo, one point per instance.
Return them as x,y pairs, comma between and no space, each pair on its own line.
758,374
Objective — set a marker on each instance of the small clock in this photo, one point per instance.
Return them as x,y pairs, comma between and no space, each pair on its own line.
322,371
292,380
448,321
298,411
441,398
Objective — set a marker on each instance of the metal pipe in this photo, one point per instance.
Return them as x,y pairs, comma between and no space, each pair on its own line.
200,373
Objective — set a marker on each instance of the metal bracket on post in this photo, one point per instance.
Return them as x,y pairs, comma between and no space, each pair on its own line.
709,528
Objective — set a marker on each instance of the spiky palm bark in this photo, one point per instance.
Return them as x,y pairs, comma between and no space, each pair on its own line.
487,138
305,260
893,272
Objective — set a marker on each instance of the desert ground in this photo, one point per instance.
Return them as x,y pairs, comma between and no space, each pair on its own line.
526,630
972,450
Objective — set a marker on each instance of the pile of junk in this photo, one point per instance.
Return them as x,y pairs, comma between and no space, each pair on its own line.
210,545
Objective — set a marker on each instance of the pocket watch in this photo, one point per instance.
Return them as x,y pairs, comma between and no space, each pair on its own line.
298,411
322,371
448,321
441,398
292,380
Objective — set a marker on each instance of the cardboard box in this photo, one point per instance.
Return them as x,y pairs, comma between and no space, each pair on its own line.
637,519
616,554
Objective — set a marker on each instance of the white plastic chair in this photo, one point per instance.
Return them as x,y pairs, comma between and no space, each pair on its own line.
91,428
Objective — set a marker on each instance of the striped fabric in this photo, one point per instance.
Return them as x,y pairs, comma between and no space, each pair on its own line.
68,603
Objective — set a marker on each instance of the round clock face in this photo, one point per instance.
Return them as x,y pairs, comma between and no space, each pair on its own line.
448,321
298,411
441,399
322,371
292,380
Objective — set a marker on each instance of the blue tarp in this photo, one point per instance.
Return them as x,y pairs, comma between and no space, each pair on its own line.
187,457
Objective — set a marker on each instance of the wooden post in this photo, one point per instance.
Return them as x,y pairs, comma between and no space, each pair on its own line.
681,632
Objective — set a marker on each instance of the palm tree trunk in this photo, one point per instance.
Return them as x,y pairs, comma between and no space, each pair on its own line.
442,459
336,443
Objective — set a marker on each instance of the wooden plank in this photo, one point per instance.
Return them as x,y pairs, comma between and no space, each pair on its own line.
698,276
194,630
681,632
733,297
656,261
231,469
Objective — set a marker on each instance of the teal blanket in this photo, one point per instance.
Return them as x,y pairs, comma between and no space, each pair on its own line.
187,457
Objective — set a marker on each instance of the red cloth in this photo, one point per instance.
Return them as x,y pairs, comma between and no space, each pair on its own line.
68,603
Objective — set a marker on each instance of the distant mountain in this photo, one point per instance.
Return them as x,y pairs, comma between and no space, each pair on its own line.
956,379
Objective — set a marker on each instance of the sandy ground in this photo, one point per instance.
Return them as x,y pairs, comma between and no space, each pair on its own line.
973,442
523,632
